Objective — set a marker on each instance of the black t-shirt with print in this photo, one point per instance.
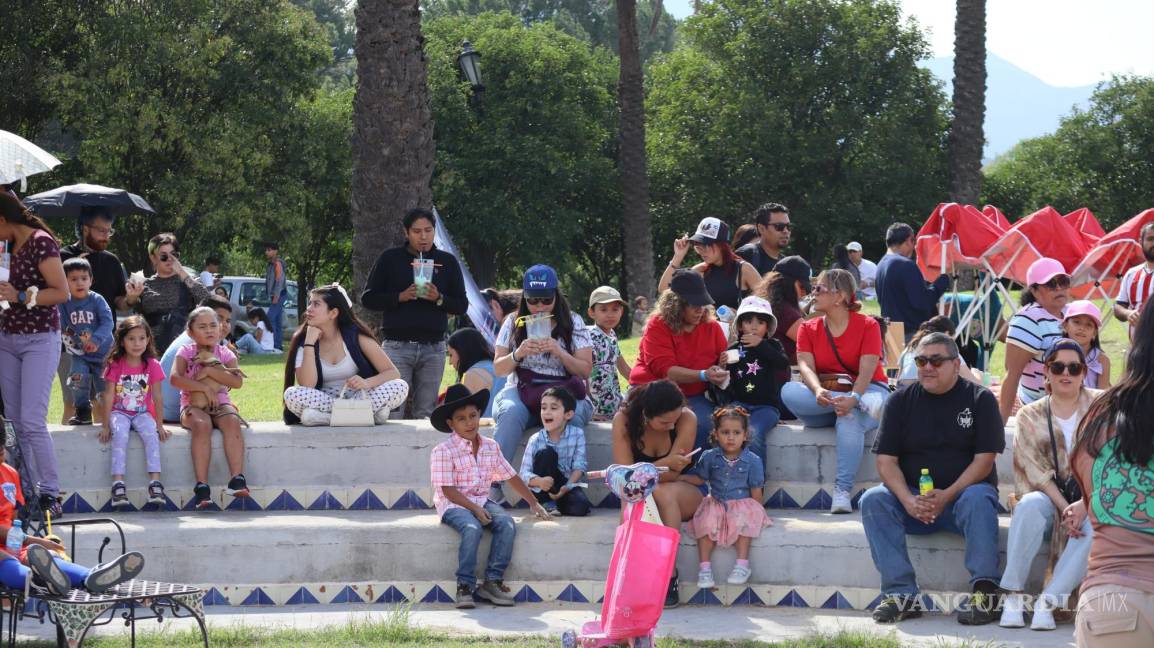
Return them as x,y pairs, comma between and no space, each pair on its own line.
941,432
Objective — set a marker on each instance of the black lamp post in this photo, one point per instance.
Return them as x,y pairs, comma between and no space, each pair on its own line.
469,60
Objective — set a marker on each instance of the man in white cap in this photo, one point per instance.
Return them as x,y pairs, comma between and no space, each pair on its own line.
866,268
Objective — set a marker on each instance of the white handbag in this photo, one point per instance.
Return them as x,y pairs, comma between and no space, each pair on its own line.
349,411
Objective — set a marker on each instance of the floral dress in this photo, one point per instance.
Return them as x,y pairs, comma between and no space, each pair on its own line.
604,390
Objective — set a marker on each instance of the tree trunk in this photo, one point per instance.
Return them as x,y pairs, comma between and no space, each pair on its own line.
392,130
637,222
966,134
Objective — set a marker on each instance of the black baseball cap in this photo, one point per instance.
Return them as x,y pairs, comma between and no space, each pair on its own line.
796,268
690,286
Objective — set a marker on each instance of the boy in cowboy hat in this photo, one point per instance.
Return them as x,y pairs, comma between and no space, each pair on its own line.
463,467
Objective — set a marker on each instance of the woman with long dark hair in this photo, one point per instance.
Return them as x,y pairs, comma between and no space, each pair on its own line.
472,357
533,364
1113,462
727,276
30,337
783,287
334,351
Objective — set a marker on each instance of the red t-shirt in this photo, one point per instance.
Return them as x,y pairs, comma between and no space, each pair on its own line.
13,497
661,350
862,337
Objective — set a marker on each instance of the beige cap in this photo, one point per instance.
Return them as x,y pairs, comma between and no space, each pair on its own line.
605,295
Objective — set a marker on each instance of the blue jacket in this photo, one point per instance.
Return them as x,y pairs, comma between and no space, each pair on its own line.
730,482
903,293
86,327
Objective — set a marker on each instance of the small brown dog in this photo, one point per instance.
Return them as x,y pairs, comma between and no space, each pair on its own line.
199,399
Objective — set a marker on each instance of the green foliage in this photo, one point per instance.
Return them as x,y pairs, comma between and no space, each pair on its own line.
818,104
1101,158
529,178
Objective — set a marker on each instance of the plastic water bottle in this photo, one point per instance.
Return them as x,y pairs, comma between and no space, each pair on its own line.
15,540
725,313
925,483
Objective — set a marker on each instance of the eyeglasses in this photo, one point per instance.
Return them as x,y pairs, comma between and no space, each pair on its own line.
539,301
1061,282
106,231
1074,368
934,361
781,227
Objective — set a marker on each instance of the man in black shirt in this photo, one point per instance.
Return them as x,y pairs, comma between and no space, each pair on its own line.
952,428
773,230
416,317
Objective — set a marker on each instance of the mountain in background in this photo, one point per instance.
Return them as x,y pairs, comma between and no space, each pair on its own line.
1019,105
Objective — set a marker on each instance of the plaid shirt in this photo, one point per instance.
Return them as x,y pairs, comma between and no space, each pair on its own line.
570,452
453,464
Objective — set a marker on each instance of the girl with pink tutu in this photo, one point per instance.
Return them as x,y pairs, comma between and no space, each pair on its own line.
732,513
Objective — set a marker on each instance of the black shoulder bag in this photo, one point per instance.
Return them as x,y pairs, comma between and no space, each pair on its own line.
1068,486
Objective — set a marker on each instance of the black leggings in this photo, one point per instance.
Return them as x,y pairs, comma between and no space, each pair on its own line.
573,503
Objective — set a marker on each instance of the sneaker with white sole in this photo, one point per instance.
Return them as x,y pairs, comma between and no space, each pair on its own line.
118,570
841,502
1013,611
156,493
494,592
381,416
237,487
1043,615
42,564
740,575
314,417
705,578
119,496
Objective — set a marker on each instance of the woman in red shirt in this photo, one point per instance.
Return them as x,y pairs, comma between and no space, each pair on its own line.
684,343
845,344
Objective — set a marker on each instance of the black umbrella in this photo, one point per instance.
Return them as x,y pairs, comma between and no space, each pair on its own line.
74,200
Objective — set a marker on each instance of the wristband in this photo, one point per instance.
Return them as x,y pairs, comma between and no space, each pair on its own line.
313,345
856,396
513,356
701,376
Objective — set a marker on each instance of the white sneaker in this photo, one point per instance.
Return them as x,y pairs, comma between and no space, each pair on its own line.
740,575
315,417
841,502
1013,606
705,579
871,404
381,416
1043,615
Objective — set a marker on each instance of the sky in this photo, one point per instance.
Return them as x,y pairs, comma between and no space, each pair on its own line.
1065,43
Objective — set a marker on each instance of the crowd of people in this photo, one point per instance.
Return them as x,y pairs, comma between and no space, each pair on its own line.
733,345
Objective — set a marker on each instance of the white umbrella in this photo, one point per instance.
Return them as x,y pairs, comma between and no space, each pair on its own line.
20,158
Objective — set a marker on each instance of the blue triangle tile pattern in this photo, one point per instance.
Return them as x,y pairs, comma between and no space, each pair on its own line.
77,504
436,595
781,500
704,597
876,602
189,506
284,502
527,595
928,603
368,501
243,504
856,500
748,597
302,597
392,595
347,595
168,505
601,600
611,501
792,599
257,597
326,502
572,595
107,508
821,501
214,597
836,602
410,501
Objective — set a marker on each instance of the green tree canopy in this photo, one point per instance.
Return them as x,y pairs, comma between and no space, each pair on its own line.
818,104
1101,158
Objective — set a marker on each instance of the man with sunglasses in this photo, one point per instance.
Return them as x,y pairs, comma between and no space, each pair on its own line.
902,292
952,428
415,321
774,229
1138,282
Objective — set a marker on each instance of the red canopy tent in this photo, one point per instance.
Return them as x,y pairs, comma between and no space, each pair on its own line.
1045,233
996,215
955,235
1098,274
1084,221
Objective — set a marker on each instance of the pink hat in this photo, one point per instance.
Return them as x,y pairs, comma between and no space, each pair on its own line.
1083,307
1043,270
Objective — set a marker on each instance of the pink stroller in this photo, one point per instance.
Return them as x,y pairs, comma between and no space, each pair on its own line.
639,571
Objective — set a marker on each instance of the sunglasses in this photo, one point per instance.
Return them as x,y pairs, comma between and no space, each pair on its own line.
820,290
781,227
1073,368
1061,282
539,301
934,361
165,256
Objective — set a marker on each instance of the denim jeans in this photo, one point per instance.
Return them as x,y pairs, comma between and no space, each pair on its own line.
1033,517
465,523
13,573
249,344
851,429
27,365
974,515
762,419
513,418
275,315
421,365
85,377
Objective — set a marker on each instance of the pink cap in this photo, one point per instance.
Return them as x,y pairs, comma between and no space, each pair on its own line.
1083,307
1043,270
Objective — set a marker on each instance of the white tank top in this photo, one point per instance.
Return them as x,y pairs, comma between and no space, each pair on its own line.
335,374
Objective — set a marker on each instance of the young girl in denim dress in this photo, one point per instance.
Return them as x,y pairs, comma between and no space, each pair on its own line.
732,513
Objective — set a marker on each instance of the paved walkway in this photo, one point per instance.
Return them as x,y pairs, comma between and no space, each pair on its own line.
689,622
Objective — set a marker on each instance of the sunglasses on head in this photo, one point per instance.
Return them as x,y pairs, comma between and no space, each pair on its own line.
934,361
1073,368
539,301
1058,283
781,227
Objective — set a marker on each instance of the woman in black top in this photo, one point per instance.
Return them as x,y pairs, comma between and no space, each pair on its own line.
727,276
168,296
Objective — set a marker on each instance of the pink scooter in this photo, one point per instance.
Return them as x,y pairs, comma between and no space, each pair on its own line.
639,571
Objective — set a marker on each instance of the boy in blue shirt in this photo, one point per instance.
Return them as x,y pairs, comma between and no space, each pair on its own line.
554,460
87,323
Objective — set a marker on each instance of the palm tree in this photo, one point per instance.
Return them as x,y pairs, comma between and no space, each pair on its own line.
637,221
392,128
966,134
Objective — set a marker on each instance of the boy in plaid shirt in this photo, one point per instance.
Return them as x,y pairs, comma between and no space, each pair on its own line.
463,467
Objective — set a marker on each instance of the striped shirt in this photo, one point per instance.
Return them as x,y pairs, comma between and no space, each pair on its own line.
1034,329
570,452
1137,286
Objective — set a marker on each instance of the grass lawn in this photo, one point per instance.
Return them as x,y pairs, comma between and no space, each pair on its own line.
260,398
